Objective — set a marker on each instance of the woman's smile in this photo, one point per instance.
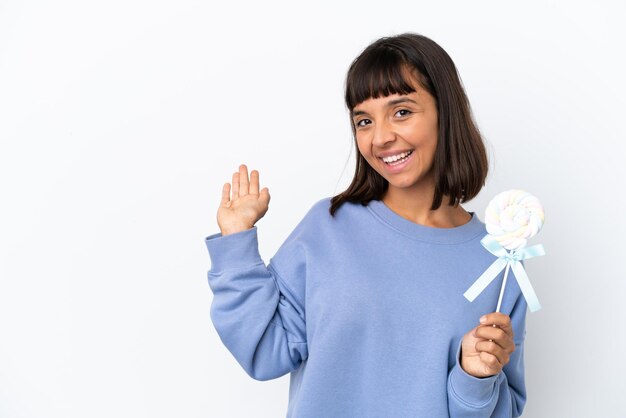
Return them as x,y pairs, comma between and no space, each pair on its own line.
398,162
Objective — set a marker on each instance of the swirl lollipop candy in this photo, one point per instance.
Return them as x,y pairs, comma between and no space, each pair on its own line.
511,218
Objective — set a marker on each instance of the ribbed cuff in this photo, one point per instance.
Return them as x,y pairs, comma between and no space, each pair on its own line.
473,390
240,249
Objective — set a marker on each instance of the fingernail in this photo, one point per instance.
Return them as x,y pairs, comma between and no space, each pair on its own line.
483,319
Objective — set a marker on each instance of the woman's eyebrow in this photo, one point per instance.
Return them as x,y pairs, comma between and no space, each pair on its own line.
400,100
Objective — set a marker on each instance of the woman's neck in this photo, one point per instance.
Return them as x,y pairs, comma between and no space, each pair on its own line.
414,205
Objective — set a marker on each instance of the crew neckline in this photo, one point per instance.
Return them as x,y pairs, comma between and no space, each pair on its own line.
454,235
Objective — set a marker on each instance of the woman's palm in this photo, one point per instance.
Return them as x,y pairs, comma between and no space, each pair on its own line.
247,204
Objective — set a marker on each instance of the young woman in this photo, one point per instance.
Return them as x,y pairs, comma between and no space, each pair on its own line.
363,302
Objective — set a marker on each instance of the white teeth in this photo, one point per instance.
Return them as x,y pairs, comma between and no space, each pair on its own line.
396,157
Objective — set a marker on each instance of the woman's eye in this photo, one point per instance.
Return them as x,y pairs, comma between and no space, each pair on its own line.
403,112
361,123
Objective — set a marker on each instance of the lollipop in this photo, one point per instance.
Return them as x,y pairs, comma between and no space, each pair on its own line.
512,217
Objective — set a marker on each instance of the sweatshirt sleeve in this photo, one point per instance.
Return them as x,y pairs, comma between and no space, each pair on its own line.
258,315
499,396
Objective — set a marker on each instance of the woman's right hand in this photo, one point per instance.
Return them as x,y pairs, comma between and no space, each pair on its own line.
247,204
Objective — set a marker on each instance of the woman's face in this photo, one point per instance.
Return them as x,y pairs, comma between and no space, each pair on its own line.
393,126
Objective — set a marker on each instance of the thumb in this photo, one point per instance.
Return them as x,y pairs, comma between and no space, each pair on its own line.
264,196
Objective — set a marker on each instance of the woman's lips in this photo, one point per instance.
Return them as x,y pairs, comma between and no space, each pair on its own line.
397,167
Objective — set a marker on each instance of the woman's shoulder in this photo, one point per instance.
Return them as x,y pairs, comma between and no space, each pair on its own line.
319,215
321,209
319,225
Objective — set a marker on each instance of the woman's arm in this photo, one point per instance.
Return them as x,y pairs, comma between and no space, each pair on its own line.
257,314
499,396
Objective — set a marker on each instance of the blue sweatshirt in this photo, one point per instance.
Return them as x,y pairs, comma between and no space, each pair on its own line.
366,311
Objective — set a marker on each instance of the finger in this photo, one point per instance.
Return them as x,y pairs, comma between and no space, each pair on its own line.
235,185
491,361
494,349
498,319
225,194
243,180
264,196
254,182
496,335
490,333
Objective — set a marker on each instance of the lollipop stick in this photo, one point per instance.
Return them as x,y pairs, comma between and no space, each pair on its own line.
506,272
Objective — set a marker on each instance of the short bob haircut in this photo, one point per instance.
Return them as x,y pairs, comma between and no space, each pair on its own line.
460,163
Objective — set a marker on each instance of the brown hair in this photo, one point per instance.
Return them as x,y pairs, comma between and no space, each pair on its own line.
460,163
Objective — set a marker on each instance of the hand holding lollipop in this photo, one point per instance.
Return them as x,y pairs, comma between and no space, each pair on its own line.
512,217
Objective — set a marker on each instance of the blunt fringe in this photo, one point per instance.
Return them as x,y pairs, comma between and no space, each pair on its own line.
460,164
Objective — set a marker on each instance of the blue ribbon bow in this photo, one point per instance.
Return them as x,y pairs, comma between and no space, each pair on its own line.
505,258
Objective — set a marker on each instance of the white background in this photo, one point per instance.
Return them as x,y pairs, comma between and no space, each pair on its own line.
121,120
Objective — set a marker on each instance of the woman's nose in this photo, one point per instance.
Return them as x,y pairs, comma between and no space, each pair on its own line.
383,133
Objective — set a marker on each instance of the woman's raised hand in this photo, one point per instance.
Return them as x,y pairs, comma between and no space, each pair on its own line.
246,206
